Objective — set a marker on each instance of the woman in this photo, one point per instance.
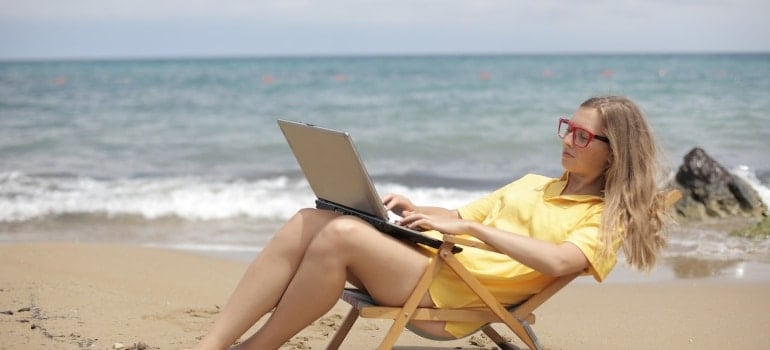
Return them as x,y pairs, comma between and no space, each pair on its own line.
607,198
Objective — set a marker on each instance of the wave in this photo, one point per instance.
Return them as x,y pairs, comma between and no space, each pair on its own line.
747,174
27,197
235,217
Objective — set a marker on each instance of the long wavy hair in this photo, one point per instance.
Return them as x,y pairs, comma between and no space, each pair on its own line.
635,209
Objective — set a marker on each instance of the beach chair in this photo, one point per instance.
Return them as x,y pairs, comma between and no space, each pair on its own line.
518,318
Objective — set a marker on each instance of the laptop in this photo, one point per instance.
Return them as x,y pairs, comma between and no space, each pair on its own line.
339,180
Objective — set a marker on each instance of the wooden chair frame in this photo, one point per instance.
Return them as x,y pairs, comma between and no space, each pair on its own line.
518,319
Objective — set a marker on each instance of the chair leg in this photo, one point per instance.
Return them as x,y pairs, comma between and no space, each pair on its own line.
498,339
494,336
342,332
528,338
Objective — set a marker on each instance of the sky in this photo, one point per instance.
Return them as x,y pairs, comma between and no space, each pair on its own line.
54,29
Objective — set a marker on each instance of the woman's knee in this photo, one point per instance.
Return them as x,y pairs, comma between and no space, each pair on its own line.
302,227
338,235
310,219
310,215
345,225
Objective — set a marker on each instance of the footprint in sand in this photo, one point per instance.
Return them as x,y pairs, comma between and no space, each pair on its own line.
205,313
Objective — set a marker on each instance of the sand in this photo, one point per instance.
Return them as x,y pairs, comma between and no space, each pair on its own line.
91,296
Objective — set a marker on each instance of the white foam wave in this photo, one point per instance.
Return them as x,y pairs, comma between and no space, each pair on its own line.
24,197
747,174
716,245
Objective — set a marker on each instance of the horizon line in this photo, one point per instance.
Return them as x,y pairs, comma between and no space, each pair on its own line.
191,57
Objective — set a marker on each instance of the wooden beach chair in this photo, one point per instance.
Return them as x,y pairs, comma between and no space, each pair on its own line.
518,318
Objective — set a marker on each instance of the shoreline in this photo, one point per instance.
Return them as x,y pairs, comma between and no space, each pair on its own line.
671,268
693,269
84,295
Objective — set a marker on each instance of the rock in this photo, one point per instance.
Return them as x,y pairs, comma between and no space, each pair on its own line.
118,346
709,190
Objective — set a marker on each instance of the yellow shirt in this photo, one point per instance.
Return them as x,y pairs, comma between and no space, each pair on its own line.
531,206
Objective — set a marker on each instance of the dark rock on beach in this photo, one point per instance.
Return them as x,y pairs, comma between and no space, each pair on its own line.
710,191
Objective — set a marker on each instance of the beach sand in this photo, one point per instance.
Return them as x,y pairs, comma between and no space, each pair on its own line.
91,296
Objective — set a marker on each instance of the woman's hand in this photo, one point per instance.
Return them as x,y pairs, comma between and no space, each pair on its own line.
398,204
441,223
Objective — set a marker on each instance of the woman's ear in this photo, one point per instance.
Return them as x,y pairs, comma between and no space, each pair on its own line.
610,160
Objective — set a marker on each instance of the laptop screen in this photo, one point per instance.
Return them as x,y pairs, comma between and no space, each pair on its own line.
332,167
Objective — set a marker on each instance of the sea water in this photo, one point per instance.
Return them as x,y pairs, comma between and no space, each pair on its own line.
186,153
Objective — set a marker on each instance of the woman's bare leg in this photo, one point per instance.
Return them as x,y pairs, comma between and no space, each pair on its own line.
388,269
267,277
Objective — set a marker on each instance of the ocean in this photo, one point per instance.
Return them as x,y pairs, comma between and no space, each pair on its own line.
186,153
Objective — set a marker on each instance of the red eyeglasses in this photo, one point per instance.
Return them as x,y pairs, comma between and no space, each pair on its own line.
580,137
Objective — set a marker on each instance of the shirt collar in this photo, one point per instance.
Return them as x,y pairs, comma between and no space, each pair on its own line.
553,189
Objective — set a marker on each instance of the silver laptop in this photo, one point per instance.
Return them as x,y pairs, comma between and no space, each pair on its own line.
339,180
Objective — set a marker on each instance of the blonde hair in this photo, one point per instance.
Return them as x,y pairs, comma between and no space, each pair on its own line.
635,209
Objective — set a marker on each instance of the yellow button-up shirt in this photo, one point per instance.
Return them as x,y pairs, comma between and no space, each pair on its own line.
531,206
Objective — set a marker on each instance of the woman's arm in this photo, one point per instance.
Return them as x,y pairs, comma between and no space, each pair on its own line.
549,258
554,259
